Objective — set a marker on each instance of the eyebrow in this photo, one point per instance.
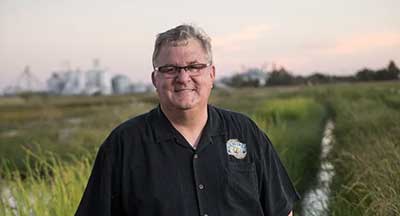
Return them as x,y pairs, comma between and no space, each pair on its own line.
191,62
167,65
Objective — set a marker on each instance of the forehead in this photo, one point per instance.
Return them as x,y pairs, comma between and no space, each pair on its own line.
182,52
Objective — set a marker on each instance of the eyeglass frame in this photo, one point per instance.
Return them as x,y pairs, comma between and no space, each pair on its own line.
177,69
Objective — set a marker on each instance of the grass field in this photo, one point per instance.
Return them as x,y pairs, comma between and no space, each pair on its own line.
47,144
367,153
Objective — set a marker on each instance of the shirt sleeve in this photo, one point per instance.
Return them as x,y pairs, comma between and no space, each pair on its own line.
101,195
278,194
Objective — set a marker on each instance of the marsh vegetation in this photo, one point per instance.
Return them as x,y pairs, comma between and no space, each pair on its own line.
48,144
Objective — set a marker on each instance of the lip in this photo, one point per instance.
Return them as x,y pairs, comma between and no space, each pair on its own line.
181,90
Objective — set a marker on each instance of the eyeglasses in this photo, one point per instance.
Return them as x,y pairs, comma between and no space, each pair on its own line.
171,71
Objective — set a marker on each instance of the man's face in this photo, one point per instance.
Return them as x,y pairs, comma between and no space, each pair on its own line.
183,91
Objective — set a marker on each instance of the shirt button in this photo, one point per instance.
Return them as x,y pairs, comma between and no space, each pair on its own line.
201,187
196,156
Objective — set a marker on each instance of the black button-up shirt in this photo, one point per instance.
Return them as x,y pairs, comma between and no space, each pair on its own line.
146,167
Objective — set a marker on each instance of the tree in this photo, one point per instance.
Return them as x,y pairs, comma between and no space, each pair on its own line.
393,70
319,78
390,73
254,77
366,75
280,77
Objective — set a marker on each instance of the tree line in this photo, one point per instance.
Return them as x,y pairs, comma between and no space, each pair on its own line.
257,77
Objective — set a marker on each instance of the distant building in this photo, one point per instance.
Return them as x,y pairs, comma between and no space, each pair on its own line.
26,82
121,84
250,77
98,81
255,75
74,82
140,87
95,81
68,82
56,83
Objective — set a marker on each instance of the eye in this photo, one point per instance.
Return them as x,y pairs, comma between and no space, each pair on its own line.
166,69
195,67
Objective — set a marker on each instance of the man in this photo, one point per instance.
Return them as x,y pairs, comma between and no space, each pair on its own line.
186,157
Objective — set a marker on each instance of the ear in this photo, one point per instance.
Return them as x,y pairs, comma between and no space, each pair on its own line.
153,79
212,73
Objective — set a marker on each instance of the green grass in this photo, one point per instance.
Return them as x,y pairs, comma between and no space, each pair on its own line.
47,143
367,151
70,125
48,186
295,125
62,124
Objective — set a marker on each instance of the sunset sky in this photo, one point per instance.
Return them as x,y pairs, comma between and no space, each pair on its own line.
332,37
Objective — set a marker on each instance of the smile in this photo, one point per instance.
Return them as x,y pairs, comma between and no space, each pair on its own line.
180,90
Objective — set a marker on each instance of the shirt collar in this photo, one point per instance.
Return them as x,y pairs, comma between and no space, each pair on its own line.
164,130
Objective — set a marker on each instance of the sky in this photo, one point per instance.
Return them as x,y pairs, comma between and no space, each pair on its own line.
331,37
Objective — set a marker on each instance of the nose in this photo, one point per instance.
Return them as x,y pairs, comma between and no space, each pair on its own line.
183,75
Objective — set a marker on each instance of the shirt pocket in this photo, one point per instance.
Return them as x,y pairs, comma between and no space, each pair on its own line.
242,180
241,196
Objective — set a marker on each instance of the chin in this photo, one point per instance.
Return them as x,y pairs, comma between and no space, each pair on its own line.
184,106
184,103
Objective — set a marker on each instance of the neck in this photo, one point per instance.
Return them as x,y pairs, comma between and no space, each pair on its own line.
189,123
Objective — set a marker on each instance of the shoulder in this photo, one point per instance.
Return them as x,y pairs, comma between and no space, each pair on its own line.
233,119
133,124
131,129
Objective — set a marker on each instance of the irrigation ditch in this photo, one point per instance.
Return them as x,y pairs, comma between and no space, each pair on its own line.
315,201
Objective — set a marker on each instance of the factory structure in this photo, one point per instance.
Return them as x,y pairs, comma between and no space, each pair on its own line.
26,82
95,81
121,84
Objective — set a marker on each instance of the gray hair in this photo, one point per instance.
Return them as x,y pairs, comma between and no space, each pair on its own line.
179,36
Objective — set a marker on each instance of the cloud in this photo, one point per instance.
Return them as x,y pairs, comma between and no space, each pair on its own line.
234,41
364,43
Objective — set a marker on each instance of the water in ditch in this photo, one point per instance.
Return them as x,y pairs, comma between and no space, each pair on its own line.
315,201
